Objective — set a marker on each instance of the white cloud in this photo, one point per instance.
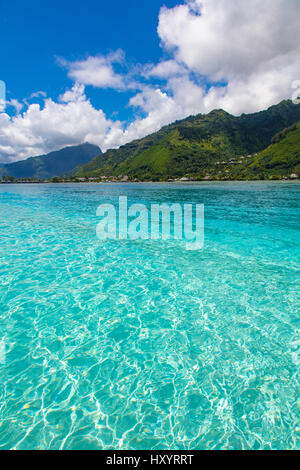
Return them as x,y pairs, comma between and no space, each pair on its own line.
37,94
73,120
159,108
2,96
166,69
225,39
75,95
97,71
15,104
253,46
39,130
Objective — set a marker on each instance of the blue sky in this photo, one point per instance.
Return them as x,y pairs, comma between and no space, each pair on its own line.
34,33
110,72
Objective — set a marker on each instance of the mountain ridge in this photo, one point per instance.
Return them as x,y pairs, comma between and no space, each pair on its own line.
56,163
195,146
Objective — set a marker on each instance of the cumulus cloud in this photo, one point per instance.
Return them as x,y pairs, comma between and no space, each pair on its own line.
159,109
98,71
165,69
72,120
252,46
224,39
2,95
239,56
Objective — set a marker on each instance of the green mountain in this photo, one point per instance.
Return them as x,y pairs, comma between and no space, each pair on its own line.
281,159
203,146
61,162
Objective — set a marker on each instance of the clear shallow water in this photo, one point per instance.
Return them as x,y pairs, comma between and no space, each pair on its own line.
144,345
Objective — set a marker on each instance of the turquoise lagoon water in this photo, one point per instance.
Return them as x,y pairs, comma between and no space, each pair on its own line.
142,344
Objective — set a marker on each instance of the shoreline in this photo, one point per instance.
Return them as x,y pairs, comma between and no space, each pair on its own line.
148,182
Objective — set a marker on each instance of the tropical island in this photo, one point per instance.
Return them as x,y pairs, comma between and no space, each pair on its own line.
212,147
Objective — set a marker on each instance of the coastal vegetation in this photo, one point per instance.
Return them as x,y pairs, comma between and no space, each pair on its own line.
217,146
